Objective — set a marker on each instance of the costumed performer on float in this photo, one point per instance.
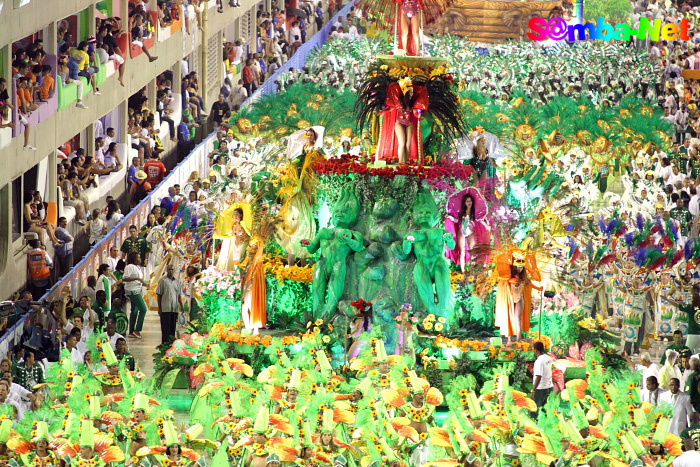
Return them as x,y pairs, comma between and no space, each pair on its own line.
515,270
466,219
401,102
361,322
254,306
298,192
406,18
234,227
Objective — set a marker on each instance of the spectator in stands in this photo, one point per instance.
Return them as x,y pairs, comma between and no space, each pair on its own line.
82,59
193,90
96,228
47,82
137,37
139,189
133,168
164,18
25,108
226,88
133,285
319,16
113,215
113,50
239,95
189,102
294,31
64,252
248,77
110,136
73,197
183,137
111,158
32,222
164,113
237,54
68,71
39,264
155,170
220,110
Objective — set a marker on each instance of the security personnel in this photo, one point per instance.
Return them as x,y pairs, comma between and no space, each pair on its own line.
39,264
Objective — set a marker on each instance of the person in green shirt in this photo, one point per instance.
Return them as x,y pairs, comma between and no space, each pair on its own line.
682,215
693,431
28,373
116,314
139,244
123,354
678,346
99,306
691,384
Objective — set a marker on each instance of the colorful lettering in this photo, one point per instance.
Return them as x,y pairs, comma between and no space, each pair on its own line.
558,29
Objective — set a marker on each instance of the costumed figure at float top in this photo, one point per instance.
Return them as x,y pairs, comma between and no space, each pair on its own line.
515,270
466,219
406,18
335,244
401,103
233,226
298,192
431,273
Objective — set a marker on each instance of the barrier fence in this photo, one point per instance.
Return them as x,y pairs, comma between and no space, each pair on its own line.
196,160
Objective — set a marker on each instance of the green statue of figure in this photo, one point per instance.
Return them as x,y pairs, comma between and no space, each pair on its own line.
431,273
335,244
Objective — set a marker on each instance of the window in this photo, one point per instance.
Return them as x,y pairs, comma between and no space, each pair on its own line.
16,208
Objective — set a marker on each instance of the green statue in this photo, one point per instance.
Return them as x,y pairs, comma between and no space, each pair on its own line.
335,244
431,273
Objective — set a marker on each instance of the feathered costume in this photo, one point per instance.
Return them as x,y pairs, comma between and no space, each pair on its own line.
381,96
298,193
464,228
235,237
510,291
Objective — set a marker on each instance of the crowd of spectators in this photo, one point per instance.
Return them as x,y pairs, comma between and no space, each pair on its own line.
78,171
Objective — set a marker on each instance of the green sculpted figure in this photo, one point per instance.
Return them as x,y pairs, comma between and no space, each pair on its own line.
335,244
431,273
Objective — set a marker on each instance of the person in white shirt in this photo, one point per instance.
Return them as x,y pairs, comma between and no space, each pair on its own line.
694,203
293,31
675,177
690,458
113,258
542,376
71,345
112,335
681,405
647,367
652,393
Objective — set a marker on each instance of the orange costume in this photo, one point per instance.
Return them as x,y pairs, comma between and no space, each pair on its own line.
514,291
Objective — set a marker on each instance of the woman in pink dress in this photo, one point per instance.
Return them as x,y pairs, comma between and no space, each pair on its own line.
467,221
